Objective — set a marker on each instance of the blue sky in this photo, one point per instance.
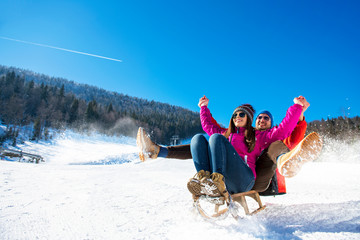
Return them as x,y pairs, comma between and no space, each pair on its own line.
260,52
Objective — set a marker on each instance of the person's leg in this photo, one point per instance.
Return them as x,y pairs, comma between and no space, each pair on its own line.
289,164
226,161
163,153
276,149
178,152
199,149
149,149
266,165
200,153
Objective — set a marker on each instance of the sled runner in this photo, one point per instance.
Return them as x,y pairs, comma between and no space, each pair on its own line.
219,209
212,208
240,198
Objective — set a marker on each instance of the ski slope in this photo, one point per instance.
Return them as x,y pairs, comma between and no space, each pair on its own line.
94,187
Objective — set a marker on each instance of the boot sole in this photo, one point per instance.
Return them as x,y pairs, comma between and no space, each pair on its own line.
210,188
140,142
194,187
145,153
197,188
306,151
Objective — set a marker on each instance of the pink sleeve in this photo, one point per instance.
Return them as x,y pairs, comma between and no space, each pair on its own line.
297,135
206,122
286,126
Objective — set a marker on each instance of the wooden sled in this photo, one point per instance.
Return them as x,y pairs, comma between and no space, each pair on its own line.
240,198
216,211
221,211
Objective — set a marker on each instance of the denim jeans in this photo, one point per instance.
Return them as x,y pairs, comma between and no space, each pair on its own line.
218,155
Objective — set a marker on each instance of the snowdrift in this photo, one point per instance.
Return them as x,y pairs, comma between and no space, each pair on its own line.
94,187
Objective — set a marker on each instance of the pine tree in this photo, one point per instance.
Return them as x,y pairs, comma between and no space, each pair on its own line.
46,134
73,113
109,108
37,130
91,114
62,92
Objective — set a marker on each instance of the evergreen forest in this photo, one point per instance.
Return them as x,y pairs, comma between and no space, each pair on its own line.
38,103
27,98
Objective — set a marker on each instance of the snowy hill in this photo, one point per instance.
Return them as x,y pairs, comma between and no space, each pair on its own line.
94,187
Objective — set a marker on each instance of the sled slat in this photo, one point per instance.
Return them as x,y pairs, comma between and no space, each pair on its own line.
240,198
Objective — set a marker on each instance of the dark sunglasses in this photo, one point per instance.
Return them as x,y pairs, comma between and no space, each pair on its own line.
240,114
266,118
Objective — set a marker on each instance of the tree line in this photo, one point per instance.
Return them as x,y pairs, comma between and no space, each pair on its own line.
43,102
341,128
25,102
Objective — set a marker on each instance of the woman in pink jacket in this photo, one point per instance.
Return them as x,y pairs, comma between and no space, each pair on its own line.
226,163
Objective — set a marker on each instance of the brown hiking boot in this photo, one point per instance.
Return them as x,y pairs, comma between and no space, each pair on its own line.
194,184
307,150
215,186
148,149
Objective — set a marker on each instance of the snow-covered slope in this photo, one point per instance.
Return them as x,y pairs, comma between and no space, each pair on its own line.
94,187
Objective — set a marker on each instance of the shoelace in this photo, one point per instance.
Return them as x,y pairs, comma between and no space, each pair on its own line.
215,177
199,175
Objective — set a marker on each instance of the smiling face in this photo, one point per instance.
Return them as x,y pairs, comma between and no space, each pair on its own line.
239,119
263,122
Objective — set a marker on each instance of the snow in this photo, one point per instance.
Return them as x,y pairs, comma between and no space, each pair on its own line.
95,187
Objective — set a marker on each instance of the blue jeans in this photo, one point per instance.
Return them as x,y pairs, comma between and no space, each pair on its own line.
218,155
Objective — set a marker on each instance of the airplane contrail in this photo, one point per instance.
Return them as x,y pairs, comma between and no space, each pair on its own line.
63,49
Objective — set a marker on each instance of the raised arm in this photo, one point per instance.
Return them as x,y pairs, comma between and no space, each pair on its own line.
305,104
217,124
287,125
207,121
298,133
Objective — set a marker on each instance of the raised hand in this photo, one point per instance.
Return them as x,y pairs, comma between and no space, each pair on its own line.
298,101
204,101
302,101
306,104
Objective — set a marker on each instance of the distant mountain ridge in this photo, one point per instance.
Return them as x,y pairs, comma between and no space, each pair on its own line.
85,106
89,92
161,119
